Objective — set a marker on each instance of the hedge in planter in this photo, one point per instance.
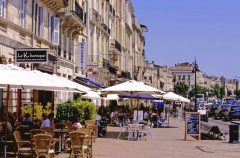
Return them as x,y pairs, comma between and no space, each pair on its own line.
83,110
86,109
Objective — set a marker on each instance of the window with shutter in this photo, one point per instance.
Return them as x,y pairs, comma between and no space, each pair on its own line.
22,13
41,21
49,28
36,19
3,8
56,31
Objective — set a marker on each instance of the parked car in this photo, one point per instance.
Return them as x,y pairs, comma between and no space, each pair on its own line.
214,107
232,112
219,111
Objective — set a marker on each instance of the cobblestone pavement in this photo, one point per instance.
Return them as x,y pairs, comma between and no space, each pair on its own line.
166,143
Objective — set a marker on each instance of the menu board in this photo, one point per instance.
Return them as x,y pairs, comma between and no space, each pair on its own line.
192,124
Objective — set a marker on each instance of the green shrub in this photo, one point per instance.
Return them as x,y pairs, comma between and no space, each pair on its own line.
66,110
83,110
86,109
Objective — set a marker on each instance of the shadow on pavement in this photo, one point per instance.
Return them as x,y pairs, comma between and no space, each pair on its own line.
112,135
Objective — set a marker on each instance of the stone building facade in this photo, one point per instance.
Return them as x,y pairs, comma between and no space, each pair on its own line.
158,76
115,42
98,40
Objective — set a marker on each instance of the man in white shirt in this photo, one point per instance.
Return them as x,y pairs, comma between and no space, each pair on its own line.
47,122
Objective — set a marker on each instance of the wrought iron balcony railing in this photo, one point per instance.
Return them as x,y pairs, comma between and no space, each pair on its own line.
95,16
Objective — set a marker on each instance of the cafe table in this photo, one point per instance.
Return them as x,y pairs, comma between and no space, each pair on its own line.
62,134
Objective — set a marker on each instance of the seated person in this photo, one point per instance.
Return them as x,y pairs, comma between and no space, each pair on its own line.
101,123
76,124
47,121
28,120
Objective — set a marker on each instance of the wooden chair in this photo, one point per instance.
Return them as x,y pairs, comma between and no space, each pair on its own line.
43,145
24,148
77,144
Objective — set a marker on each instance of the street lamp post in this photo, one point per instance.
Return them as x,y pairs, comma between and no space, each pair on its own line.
237,89
195,69
174,83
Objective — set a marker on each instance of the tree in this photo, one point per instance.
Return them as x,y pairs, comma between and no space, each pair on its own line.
198,90
237,93
217,90
181,88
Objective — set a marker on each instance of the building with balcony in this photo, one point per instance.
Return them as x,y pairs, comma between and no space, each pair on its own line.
99,30
73,38
115,43
183,72
158,76
30,24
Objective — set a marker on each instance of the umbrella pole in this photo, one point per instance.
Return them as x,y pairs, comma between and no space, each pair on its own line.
33,104
168,113
137,108
131,103
6,119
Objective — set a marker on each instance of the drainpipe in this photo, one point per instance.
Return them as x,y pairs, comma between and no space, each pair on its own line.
33,11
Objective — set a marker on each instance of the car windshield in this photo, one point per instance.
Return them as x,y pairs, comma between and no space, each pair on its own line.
236,108
231,101
226,106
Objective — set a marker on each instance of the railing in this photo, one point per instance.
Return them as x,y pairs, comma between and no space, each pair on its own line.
95,16
59,51
93,60
118,46
111,9
126,74
76,10
108,65
104,26
64,54
79,11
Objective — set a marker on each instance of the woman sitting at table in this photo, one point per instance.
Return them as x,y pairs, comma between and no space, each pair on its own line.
76,124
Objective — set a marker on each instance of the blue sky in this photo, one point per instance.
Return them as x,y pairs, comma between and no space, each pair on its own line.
180,30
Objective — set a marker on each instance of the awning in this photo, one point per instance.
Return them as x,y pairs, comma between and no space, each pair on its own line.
138,96
88,81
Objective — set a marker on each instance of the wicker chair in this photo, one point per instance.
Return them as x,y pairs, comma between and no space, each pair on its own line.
36,131
43,145
77,145
87,140
24,148
48,130
90,122
68,125
94,130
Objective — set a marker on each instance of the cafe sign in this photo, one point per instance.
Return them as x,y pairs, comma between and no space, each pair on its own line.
31,55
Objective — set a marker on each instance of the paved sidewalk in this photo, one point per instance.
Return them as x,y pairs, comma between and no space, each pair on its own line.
167,143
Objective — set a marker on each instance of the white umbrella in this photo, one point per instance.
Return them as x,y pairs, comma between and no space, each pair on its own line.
14,77
175,97
91,95
111,97
131,86
64,81
22,79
